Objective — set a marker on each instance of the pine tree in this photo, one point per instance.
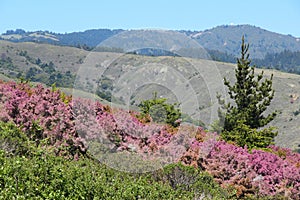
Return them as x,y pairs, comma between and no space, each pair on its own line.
252,95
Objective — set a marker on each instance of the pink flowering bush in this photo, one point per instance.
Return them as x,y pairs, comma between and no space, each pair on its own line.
286,154
118,129
258,173
41,114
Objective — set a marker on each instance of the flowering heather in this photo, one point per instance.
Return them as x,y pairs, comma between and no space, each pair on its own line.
71,126
41,114
258,173
120,130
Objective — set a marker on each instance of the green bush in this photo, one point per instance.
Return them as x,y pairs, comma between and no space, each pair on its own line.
187,118
50,177
12,140
187,178
160,111
243,135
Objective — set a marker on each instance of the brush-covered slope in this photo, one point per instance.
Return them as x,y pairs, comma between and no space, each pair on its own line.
191,82
49,144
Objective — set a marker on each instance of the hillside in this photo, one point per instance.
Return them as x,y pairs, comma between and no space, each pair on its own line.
184,80
268,49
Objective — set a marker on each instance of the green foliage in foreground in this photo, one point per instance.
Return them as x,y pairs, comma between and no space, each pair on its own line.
30,172
12,140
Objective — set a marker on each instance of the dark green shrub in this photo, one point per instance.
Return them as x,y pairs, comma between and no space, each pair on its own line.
243,135
12,140
160,111
296,112
187,178
187,118
48,177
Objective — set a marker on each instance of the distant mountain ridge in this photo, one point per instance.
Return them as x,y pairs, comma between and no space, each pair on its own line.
90,38
225,38
221,42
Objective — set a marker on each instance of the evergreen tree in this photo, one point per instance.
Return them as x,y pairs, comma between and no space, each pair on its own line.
252,95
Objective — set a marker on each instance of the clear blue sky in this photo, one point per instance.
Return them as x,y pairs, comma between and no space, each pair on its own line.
282,16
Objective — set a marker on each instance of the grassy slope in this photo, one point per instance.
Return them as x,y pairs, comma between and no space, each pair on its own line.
5,78
204,85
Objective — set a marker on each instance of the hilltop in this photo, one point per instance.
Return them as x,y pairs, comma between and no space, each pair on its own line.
227,38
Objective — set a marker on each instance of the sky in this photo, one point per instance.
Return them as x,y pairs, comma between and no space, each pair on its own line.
64,16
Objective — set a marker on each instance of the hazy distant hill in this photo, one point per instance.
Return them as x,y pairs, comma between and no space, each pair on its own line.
224,39
90,38
228,39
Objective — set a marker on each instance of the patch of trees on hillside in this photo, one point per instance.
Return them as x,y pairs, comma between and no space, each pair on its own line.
286,61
